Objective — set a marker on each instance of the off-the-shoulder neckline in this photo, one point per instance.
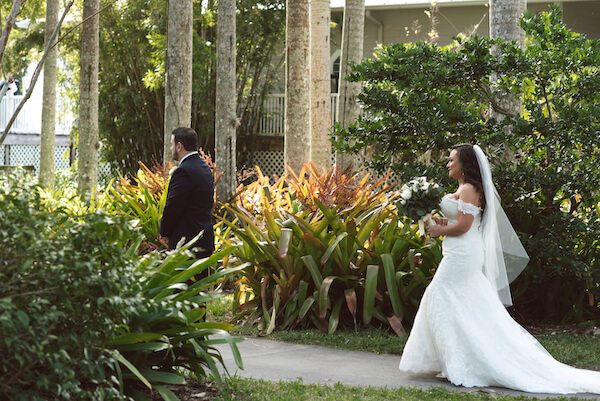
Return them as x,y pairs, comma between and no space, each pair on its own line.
458,200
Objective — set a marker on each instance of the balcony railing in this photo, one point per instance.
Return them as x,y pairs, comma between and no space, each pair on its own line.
272,122
29,120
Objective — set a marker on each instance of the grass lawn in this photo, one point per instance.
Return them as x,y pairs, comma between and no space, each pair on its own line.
255,390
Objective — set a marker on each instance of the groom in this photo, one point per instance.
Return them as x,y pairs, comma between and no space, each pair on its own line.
190,197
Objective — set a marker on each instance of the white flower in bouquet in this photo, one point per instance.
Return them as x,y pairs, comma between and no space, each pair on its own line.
419,198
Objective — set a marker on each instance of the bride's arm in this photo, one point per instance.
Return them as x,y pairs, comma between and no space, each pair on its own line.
467,194
462,225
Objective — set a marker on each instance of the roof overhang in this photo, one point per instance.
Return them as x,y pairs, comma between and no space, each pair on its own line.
338,5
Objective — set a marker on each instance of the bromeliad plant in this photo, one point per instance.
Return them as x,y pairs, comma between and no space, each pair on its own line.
325,250
170,334
144,200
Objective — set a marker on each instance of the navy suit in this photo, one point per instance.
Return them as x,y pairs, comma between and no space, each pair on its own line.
188,209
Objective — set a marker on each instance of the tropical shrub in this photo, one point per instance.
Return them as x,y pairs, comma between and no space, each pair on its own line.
84,317
144,200
420,99
64,291
169,334
324,250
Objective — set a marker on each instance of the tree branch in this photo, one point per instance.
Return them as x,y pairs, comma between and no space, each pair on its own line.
38,70
10,21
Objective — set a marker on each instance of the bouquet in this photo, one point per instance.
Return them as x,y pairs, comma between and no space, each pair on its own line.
418,199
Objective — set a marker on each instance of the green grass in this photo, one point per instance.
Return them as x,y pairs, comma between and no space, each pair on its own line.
582,351
377,341
220,310
250,390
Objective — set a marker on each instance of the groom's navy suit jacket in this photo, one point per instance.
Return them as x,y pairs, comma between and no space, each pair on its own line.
188,209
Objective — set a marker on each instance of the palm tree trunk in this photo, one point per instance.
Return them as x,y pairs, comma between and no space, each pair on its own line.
178,80
320,84
225,118
352,51
297,85
88,98
46,173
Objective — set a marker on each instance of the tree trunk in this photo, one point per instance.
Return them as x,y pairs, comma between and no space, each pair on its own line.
46,177
225,119
297,85
320,84
352,51
504,24
178,80
88,98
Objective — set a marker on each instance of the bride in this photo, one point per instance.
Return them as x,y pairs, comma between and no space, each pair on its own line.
462,328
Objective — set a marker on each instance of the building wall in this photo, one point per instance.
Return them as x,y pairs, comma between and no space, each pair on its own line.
398,24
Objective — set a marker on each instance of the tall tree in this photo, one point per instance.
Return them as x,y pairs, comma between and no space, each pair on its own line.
225,119
178,79
320,84
504,24
49,98
348,108
88,98
297,85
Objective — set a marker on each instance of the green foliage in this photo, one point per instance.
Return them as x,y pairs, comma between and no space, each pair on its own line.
143,200
169,334
326,250
130,113
421,99
84,317
132,56
418,98
260,34
65,289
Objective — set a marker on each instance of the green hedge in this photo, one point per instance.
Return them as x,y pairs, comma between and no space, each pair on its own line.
65,288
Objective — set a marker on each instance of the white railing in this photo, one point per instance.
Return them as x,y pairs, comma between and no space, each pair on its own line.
272,122
29,120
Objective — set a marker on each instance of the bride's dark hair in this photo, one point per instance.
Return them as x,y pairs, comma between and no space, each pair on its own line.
470,168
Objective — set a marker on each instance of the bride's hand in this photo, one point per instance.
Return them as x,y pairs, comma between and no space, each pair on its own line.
434,230
441,221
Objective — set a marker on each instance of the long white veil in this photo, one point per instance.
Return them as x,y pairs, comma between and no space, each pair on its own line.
504,255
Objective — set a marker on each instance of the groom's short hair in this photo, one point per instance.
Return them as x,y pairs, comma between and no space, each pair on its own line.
187,137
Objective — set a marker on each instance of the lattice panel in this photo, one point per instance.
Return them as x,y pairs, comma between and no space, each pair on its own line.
273,163
270,163
29,155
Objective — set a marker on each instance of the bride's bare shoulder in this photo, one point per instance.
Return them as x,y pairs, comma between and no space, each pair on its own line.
467,193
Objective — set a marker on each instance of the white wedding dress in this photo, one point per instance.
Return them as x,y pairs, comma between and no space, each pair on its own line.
463,330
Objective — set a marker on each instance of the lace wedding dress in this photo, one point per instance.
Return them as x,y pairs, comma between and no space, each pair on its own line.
463,330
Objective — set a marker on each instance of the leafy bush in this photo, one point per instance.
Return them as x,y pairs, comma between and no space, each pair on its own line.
65,288
421,99
84,317
324,250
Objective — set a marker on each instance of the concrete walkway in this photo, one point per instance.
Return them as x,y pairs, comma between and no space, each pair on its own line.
275,361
